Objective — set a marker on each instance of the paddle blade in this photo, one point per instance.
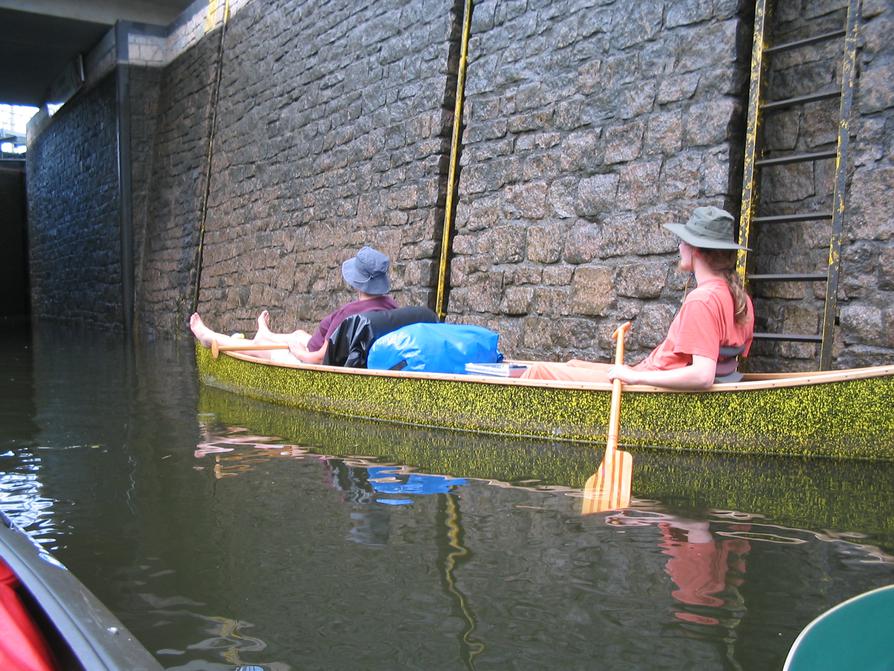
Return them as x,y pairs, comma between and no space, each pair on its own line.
609,487
215,349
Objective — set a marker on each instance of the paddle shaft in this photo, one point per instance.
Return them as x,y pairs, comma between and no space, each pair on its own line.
614,417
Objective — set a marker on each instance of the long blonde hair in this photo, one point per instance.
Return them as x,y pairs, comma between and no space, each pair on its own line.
723,262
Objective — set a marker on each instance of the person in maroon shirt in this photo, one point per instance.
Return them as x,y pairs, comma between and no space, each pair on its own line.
367,273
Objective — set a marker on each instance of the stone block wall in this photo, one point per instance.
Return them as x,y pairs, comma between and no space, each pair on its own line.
587,126
171,179
866,292
145,87
333,124
73,213
863,336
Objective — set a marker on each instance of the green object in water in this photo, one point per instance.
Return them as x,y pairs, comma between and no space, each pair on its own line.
855,634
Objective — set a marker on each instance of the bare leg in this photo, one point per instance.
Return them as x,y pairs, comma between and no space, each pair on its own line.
264,337
575,370
264,333
205,335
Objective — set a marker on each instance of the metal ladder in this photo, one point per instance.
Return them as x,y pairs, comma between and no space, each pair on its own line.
754,161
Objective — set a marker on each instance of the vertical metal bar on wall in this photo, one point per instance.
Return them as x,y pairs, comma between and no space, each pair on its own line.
447,229
215,96
752,129
848,72
125,190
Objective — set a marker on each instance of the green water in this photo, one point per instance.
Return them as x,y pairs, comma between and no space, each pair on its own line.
225,532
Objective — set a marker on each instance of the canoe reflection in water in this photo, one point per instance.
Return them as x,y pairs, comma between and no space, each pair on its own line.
385,485
359,481
372,491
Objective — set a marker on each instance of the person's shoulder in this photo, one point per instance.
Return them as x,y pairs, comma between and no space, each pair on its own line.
706,298
703,293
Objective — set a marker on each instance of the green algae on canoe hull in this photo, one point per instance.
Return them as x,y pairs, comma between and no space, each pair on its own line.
831,494
849,416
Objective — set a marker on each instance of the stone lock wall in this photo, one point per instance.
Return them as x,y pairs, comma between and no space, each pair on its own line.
332,128
588,125
173,161
145,88
73,215
866,304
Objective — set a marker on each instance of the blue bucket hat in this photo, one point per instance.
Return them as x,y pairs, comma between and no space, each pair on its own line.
367,272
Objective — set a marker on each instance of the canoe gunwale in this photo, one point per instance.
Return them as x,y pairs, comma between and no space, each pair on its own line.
751,381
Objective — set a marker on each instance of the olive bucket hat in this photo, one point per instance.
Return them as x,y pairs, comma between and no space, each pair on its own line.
368,272
707,228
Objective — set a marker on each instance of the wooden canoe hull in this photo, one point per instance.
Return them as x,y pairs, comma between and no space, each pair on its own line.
848,414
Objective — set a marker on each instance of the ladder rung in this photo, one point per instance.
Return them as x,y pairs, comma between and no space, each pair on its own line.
796,158
789,277
792,337
797,44
788,218
800,100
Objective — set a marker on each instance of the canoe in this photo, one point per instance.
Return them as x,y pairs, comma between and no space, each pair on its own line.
855,634
846,414
50,620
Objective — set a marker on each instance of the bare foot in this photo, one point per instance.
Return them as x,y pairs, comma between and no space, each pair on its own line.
264,323
202,333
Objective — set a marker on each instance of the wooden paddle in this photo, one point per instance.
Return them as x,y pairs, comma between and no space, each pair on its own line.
217,348
609,487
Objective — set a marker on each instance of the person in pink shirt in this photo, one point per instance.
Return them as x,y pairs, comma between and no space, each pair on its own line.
367,273
716,317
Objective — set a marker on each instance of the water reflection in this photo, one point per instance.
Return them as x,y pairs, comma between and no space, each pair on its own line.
705,559
706,569
370,490
250,534
455,556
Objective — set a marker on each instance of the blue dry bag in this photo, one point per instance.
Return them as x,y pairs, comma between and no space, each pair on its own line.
434,348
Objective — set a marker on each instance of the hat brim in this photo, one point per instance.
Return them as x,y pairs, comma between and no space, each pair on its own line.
376,285
700,241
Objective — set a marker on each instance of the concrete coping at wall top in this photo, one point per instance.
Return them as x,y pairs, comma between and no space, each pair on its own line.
133,43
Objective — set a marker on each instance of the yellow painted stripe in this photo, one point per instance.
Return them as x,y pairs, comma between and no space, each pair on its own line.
211,15
441,296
